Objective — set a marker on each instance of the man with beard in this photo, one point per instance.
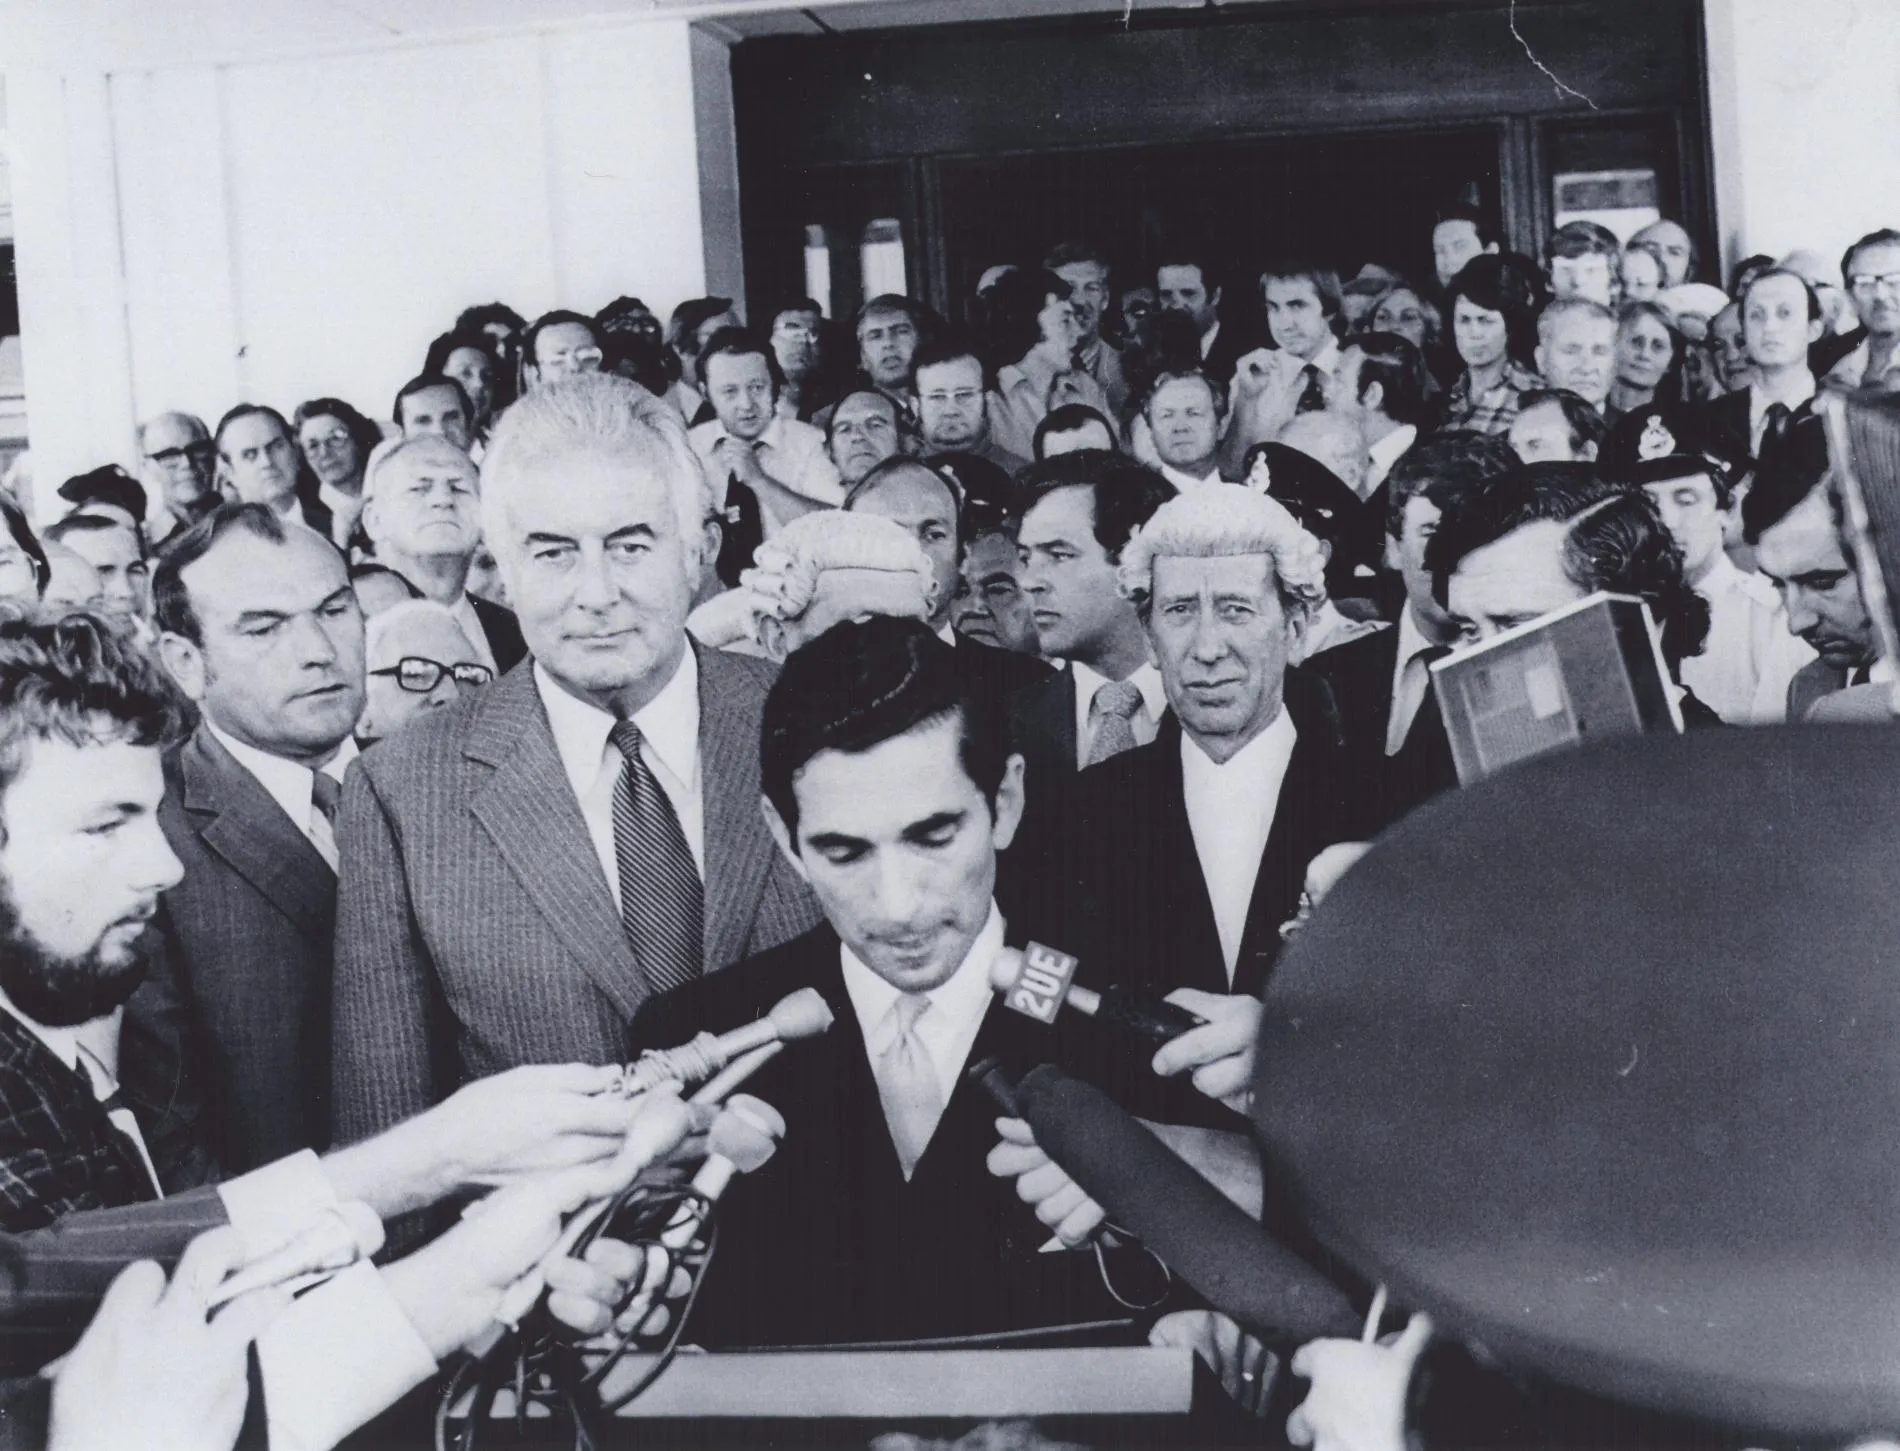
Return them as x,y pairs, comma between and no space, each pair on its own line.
83,862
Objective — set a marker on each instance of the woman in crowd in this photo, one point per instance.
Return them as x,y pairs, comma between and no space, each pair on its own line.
1033,337
1642,273
1493,305
1402,309
335,441
1648,351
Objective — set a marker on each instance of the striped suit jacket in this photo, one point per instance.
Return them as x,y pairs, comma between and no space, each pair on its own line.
227,1041
475,928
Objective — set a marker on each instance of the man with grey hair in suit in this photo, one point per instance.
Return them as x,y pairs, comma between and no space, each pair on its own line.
524,869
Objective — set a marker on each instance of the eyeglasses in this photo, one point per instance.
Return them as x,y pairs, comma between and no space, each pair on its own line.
197,453
1871,282
419,675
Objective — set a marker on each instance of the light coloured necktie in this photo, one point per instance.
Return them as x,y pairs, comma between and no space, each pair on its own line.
1112,715
326,795
907,1080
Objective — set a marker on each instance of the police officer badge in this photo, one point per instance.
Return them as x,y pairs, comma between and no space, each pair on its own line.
1657,441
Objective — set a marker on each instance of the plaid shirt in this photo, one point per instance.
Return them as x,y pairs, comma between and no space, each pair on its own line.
1493,411
58,1150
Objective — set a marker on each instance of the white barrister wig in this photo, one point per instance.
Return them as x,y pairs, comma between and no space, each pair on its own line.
1219,520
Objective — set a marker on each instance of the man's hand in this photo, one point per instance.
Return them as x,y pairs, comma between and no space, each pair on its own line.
452,1289
1044,1185
738,459
1357,1401
1219,1053
587,1294
535,1120
1247,1369
150,1370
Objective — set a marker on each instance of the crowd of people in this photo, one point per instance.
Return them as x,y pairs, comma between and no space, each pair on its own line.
371,788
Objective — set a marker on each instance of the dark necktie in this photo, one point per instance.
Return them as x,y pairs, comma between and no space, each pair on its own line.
662,902
1313,395
1774,428
741,531
326,794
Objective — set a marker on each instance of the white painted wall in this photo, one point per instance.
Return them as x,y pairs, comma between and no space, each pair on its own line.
1805,103
279,230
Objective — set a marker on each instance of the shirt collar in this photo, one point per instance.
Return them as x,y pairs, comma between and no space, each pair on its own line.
100,1036
1326,359
1185,481
965,993
1793,395
287,782
1147,680
1722,577
1262,759
1390,449
1411,638
948,636
1207,339
669,723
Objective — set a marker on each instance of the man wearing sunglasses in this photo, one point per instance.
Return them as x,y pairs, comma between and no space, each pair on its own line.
178,463
420,660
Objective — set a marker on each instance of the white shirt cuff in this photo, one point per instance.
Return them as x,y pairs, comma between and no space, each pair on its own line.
273,1204
337,1358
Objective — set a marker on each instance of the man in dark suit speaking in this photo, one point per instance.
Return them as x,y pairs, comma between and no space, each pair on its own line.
524,870
891,787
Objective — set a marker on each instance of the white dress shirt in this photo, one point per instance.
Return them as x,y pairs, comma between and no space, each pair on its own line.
1207,340
669,744
1154,700
1743,671
1230,809
957,1005
793,453
1410,682
289,785
1793,394
471,623
1387,451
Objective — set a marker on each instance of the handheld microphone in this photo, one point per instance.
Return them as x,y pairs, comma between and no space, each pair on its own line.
1231,1261
338,1239
743,1138
1037,983
803,1014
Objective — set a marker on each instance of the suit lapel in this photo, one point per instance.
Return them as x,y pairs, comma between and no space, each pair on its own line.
1293,840
528,809
242,824
738,849
1177,860
1052,714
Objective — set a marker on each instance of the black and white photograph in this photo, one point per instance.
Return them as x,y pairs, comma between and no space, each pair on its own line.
950,725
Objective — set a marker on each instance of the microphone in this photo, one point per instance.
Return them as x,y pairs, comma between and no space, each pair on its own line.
338,1238
1231,1261
803,1014
1038,981
743,1138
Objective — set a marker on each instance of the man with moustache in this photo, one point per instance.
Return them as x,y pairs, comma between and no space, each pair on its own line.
258,626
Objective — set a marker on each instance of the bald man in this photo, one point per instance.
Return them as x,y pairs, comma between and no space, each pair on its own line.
177,462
